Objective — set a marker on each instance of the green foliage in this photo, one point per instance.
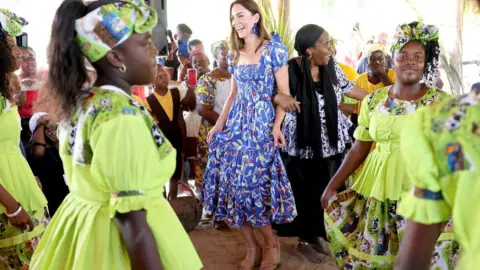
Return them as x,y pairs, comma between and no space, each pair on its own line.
280,26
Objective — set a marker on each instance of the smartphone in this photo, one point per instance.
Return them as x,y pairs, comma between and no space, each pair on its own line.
161,60
192,77
22,40
183,48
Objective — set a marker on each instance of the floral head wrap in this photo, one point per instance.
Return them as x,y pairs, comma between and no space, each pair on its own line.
11,23
109,25
428,36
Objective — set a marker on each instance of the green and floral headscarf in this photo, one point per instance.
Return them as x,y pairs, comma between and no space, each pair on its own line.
428,36
11,23
110,25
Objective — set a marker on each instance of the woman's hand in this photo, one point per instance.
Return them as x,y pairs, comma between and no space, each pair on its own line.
51,134
183,61
28,83
217,128
22,221
278,138
287,103
326,196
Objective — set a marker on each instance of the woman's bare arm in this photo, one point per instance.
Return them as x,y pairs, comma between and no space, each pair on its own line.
139,239
417,246
352,161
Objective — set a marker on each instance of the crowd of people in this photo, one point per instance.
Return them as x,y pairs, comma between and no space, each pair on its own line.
371,165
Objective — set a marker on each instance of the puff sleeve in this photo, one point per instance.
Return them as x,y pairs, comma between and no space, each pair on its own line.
132,166
424,203
362,132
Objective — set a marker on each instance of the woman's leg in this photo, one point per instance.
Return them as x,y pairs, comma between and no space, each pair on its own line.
271,250
308,179
253,256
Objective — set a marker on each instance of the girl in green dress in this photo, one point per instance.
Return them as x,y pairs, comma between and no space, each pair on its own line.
441,151
116,159
362,225
23,217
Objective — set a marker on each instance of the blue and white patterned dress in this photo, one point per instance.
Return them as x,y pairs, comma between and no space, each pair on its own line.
245,179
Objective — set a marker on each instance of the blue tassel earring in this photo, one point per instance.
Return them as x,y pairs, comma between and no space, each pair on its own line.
255,29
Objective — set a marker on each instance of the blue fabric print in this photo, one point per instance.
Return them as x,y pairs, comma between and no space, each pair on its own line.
245,179
115,26
129,111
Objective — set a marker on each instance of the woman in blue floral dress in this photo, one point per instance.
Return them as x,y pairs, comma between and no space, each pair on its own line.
245,183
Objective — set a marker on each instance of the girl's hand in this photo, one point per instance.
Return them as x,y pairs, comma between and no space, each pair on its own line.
22,221
326,196
278,138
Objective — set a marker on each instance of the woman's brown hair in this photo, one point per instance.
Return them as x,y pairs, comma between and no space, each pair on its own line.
236,43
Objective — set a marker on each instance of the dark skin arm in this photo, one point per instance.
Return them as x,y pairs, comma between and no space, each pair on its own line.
417,246
356,93
173,184
354,158
286,102
347,109
22,219
379,74
39,137
189,102
207,112
182,71
139,239
385,79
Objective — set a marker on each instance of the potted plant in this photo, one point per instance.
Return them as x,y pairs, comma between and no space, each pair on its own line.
279,27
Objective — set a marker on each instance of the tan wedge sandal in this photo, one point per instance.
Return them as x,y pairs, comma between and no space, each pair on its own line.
252,260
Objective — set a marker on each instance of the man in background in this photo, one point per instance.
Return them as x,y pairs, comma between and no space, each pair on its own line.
182,32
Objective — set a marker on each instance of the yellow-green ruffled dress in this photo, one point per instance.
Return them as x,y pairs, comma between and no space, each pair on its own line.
362,224
116,160
16,246
442,152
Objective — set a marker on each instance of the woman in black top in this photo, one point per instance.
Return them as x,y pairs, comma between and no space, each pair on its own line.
317,137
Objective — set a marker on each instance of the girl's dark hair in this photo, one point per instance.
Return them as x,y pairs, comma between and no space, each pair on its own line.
67,73
7,65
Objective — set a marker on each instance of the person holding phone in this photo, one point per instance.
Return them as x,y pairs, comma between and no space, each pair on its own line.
115,157
23,216
245,183
45,160
174,59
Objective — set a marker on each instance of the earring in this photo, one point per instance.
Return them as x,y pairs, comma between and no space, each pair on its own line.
255,29
123,68
309,57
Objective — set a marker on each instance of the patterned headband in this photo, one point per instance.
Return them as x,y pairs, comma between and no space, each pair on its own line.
11,23
428,36
406,33
110,25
